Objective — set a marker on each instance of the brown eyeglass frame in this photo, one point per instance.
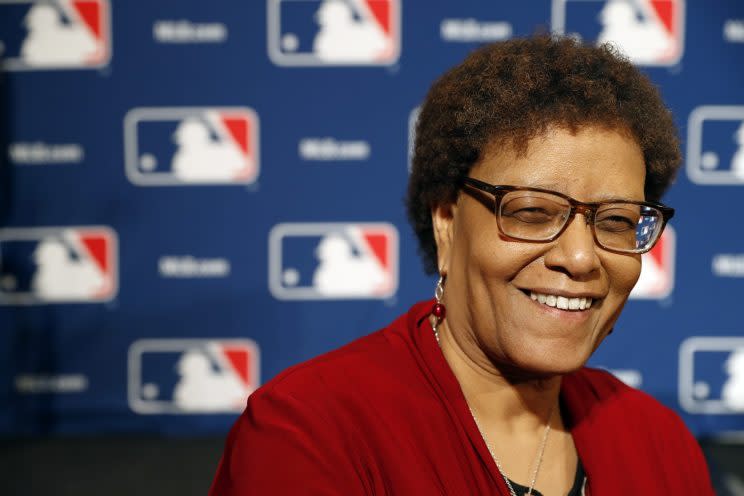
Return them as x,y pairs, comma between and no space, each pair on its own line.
589,210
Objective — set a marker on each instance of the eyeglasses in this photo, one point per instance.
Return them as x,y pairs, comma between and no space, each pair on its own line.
540,215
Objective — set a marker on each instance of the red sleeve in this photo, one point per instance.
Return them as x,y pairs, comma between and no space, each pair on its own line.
280,445
690,464
630,443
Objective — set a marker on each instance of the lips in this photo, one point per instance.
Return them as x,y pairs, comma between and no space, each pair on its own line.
563,302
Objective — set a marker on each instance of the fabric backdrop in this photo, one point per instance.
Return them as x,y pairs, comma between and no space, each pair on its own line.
196,195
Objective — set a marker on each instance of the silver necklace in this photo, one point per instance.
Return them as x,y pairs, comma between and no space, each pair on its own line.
540,451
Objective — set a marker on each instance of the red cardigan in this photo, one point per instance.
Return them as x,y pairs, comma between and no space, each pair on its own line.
385,415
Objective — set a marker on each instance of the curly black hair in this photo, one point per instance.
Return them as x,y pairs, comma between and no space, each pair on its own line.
510,92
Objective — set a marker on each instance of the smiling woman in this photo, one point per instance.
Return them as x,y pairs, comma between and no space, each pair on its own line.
534,191
489,277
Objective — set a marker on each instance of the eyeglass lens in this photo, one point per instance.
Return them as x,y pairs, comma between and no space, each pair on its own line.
537,216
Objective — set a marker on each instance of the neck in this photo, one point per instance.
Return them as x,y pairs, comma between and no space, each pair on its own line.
519,403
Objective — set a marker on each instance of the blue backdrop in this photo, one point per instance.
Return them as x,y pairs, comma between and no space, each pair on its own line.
197,195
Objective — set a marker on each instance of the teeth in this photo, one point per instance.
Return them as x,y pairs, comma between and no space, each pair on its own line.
561,301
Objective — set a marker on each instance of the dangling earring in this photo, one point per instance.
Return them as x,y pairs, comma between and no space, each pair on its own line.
438,310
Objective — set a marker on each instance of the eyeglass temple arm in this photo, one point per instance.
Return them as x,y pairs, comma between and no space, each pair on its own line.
489,188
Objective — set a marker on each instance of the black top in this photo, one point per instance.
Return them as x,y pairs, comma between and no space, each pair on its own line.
576,488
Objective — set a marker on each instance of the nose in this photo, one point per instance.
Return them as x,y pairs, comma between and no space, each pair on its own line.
575,251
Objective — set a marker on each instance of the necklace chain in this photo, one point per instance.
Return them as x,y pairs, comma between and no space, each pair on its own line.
538,462
540,452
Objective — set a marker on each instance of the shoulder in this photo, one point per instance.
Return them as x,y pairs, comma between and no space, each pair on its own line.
595,387
611,420
356,361
306,430
369,365
598,398
298,432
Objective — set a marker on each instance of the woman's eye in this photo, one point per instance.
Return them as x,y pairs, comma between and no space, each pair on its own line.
531,214
616,223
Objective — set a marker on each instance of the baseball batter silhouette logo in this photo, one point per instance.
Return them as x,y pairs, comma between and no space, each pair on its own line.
715,145
334,32
57,265
711,375
185,376
648,32
333,261
60,34
191,146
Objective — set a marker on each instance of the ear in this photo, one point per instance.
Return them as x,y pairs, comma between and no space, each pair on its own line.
443,222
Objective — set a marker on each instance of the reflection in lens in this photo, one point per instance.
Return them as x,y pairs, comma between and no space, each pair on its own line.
648,229
640,238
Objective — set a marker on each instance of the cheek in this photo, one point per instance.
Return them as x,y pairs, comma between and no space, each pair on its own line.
487,254
500,260
623,271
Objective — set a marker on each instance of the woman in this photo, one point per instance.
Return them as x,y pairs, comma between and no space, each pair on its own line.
537,166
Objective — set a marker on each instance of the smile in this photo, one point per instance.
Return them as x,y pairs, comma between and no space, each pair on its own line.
562,302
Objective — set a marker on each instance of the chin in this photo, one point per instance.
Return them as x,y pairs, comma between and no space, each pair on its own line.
545,363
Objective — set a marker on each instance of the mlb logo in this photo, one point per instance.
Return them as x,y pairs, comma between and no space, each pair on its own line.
332,261
182,376
715,145
333,32
57,265
648,32
54,34
657,271
711,375
175,146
